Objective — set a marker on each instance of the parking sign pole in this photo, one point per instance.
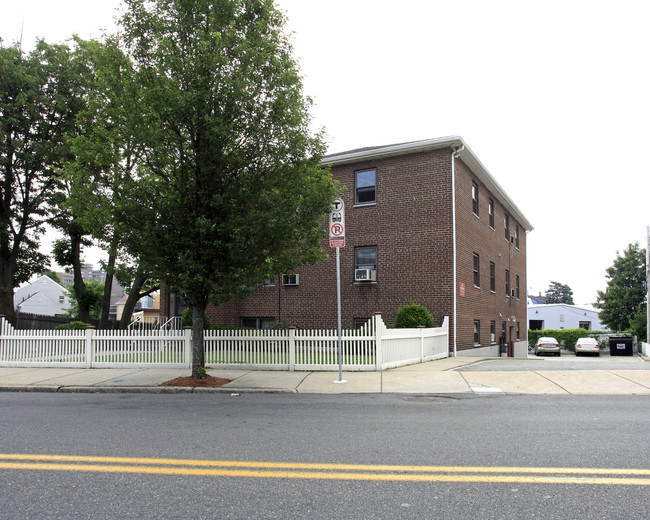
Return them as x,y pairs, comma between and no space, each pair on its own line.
338,299
337,241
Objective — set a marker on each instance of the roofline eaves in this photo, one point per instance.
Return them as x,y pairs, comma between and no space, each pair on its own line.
452,142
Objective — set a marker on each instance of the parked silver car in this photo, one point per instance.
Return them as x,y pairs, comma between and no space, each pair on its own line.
547,345
587,345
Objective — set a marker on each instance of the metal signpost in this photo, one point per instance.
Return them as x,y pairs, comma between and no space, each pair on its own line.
337,241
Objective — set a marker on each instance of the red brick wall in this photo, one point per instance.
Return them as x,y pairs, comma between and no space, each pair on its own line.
475,236
411,225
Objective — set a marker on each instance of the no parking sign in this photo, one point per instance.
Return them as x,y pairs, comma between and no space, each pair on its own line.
337,224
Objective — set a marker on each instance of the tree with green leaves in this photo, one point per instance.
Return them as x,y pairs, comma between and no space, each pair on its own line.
625,289
91,301
559,293
67,252
39,100
107,150
231,189
639,322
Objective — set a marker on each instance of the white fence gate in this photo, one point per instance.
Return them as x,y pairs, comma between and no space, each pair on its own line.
371,348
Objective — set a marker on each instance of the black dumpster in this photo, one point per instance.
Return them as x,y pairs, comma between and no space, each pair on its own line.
620,346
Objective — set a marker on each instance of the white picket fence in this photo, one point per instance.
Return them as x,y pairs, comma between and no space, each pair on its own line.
371,348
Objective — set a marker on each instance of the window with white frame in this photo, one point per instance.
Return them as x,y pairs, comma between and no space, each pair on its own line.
366,257
517,237
493,277
491,212
475,198
358,323
365,187
517,285
257,323
493,332
477,332
290,279
506,226
476,269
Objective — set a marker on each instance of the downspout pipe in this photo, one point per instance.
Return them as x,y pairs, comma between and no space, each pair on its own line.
455,153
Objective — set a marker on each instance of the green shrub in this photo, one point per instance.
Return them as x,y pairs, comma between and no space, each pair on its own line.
413,315
280,325
186,319
73,325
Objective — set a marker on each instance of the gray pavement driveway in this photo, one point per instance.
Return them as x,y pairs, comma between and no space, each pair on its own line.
567,361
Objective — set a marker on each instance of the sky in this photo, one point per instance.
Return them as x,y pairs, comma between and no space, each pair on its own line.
552,96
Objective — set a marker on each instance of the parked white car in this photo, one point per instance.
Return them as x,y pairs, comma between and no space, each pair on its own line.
587,345
547,345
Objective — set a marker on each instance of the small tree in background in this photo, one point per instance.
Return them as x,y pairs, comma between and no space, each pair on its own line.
186,319
639,322
559,293
91,300
625,289
413,315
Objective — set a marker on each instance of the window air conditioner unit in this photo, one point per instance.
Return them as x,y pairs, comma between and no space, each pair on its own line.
290,279
365,275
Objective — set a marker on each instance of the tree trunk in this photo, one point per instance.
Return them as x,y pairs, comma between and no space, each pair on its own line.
78,283
132,299
7,271
198,353
108,288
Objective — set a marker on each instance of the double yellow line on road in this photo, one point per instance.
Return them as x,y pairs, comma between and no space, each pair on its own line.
593,476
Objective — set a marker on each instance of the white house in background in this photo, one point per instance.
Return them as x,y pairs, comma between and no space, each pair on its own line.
42,296
559,316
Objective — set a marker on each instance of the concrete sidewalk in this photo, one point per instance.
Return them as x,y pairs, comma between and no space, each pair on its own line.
436,377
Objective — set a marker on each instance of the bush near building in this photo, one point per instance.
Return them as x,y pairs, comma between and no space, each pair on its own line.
413,315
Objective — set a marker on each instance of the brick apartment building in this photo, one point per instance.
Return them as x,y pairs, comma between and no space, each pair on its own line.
400,240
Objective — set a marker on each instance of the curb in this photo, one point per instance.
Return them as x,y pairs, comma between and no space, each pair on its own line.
143,390
45,389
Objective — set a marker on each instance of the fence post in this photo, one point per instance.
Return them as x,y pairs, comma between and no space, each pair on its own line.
445,325
187,346
2,331
379,323
90,352
421,327
292,349
7,328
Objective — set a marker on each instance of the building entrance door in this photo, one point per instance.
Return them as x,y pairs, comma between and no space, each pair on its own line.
511,342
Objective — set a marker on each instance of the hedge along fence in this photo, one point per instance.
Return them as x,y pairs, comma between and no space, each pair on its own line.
567,337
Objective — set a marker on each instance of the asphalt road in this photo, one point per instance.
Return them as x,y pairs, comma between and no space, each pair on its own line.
577,456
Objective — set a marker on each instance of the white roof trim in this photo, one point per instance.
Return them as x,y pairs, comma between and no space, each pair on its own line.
565,305
452,142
